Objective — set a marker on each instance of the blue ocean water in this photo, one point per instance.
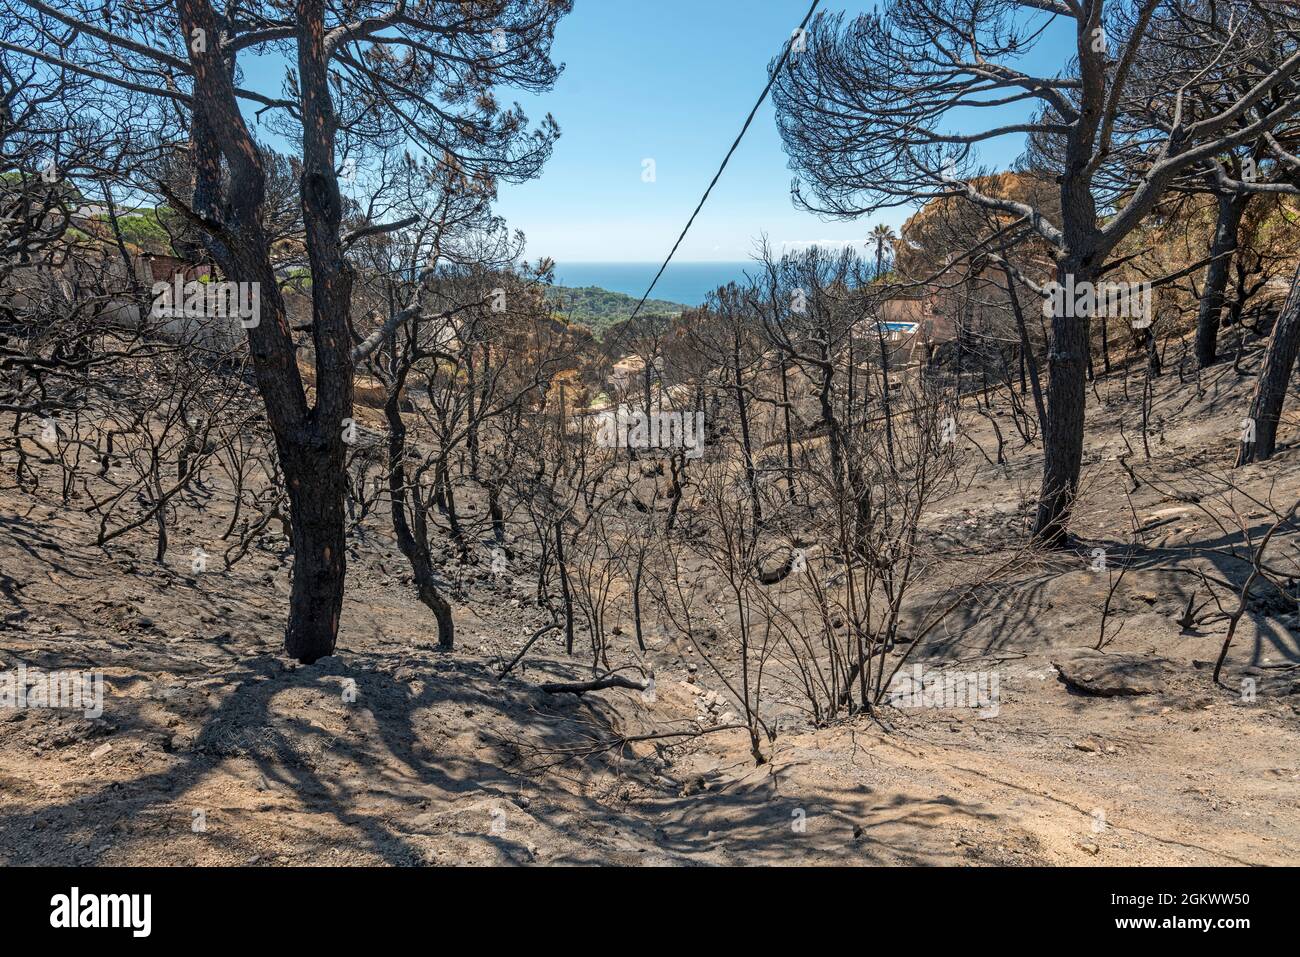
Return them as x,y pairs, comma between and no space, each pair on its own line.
688,283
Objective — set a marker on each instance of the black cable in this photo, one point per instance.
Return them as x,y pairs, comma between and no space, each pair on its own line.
785,55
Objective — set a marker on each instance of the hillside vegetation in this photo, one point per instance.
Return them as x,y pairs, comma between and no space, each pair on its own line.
599,309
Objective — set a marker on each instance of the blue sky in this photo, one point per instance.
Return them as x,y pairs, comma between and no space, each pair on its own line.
672,81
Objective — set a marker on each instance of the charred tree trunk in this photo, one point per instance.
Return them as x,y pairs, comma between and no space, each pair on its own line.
309,440
453,517
884,393
496,513
316,520
566,593
1067,365
414,547
471,395
636,600
789,435
1105,346
1026,352
676,464
1270,392
1224,244
742,406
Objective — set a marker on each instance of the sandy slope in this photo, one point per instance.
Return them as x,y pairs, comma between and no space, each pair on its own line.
214,750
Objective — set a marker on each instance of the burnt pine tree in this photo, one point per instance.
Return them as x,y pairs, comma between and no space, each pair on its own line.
883,110
1234,177
362,80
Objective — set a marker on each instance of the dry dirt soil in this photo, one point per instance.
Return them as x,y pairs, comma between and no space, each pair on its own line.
213,749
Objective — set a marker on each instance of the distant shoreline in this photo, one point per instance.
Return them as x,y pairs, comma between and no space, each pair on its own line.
687,284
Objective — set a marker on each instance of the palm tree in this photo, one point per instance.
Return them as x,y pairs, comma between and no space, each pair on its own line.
881,235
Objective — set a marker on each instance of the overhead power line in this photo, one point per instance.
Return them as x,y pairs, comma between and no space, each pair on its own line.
785,56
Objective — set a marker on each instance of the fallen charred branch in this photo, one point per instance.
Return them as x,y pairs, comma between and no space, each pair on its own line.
596,684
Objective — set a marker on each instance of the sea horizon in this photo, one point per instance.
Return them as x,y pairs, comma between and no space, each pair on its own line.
688,283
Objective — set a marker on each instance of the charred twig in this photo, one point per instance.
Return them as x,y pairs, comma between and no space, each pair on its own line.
1256,571
597,684
554,626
